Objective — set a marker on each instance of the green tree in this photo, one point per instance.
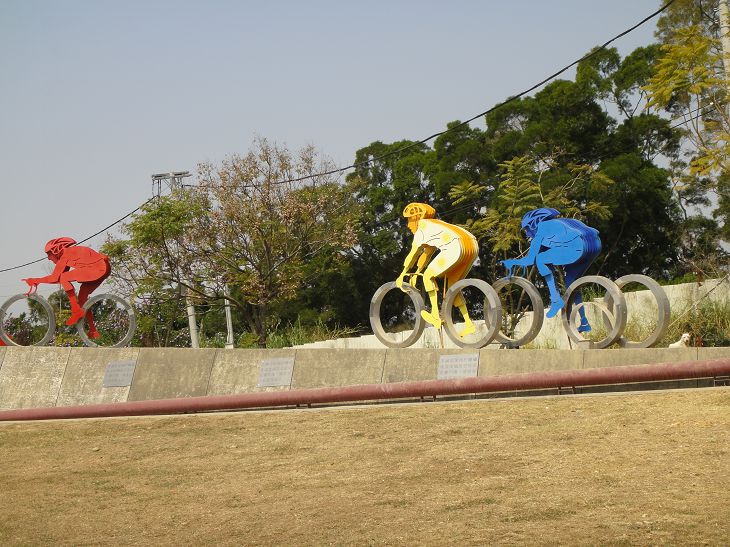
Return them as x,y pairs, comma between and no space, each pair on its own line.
157,262
690,83
385,181
525,185
562,120
250,225
561,147
620,141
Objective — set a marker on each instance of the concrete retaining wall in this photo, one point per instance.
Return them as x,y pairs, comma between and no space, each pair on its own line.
46,377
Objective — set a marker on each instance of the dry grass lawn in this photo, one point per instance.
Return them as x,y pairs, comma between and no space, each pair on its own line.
635,469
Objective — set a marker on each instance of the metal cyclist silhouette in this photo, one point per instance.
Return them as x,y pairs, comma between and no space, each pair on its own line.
104,320
457,250
555,242
75,263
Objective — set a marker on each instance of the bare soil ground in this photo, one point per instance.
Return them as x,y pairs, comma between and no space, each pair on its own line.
631,469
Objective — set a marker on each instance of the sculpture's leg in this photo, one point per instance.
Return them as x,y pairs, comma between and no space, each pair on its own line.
84,292
76,311
469,327
432,317
556,301
573,272
467,255
90,278
584,326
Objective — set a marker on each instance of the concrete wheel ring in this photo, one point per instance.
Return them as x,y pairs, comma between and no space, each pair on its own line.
663,310
128,335
377,326
492,312
613,300
538,310
46,308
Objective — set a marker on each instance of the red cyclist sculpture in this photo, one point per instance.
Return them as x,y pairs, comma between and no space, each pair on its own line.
74,263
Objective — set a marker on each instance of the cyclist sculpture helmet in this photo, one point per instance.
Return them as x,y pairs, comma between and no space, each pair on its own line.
417,211
57,245
535,217
421,210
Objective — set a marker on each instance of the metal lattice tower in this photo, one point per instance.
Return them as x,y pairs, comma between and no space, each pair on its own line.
172,180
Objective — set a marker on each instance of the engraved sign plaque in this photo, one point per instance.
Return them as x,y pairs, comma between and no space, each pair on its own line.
276,372
458,366
119,374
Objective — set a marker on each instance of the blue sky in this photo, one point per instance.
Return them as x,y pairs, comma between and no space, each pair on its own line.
95,96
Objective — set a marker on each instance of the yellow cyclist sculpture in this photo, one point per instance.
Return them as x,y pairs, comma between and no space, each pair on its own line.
457,250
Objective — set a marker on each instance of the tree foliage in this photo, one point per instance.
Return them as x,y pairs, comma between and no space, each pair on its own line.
587,147
690,83
601,148
249,224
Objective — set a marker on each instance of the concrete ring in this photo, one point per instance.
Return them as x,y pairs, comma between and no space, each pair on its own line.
538,313
663,310
492,312
377,326
46,308
128,335
614,299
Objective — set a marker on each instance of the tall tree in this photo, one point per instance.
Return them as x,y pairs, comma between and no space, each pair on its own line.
620,140
255,223
267,227
387,178
690,83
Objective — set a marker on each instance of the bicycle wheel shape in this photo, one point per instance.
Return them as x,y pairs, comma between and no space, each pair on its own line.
484,309
662,309
609,307
27,321
403,325
114,322
522,311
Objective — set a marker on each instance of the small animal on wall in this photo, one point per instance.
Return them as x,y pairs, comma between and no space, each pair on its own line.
683,341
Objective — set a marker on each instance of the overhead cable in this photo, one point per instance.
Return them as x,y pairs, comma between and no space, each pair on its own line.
416,143
585,57
83,240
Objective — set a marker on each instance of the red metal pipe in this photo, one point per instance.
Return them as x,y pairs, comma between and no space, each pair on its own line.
369,392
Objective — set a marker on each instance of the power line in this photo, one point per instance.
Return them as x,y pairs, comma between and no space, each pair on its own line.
83,240
696,114
593,52
416,143
114,223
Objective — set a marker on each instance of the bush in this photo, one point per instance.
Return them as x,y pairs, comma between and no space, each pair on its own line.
297,334
708,323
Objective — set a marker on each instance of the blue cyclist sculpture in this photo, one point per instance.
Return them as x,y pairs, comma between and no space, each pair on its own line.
554,242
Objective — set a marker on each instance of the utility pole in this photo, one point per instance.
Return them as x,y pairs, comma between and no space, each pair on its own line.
174,181
192,322
229,321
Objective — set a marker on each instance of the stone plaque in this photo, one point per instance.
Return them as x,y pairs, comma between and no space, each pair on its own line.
458,366
276,372
119,374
